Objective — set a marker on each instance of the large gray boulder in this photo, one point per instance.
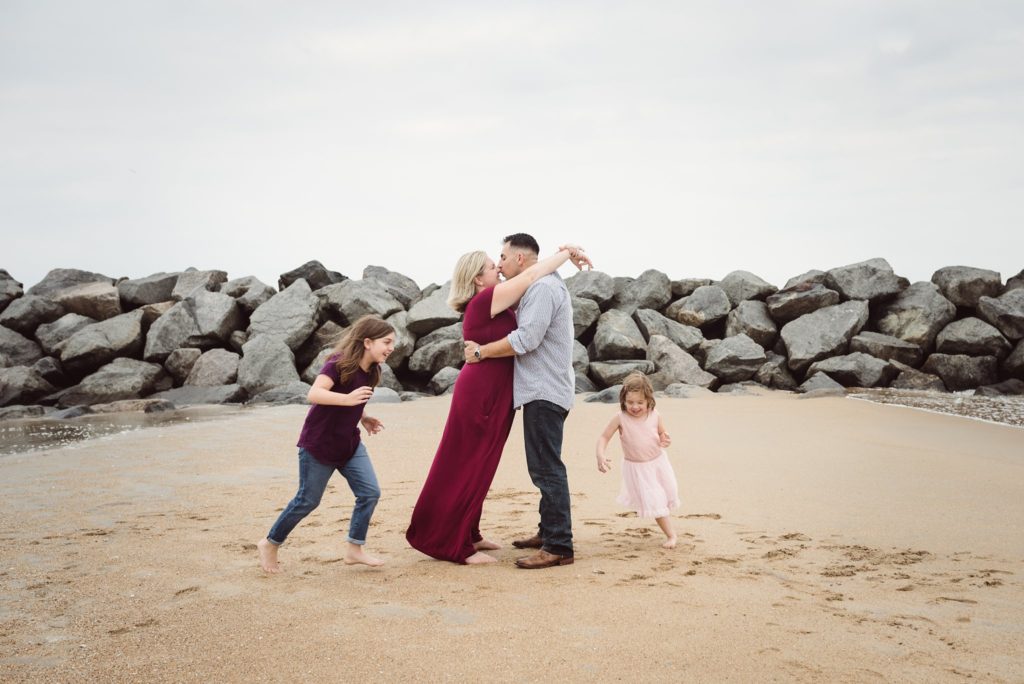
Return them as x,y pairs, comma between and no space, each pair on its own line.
327,336
351,300
203,320
214,368
95,300
401,287
823,333
1013,365
60,279
27,313
191,281
180,361
607,373
961,372
916,315
650,290
972,336
872,280
912,379
316,365
51,370
314,273
887,348
18,349
10,289
617,338
291,315
580,358
595,285
405,339
188,396
685,287
52,336
775,373
385,395
1014,282
388,379
708,304
1007,388
751,318
444,380
152,289
739,286
440,349
23,385
266,362
119,379
799,299
296,392
250,292
432,312
650,322
585,313
100,343
1005,312
812,277
964,285
584,384
735,359
673,365
856,370
821,385
16,411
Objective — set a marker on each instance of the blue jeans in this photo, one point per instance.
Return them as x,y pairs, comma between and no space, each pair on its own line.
313,477
543,422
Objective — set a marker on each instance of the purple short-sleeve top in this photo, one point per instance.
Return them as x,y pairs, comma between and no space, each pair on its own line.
331,433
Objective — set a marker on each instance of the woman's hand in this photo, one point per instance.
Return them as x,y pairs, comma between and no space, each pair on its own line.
577,256
358,396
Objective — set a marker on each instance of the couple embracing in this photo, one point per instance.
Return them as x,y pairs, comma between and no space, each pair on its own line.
516,357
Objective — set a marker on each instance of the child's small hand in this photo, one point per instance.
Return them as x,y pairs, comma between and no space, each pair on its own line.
372,425
359,396
666,441
604,464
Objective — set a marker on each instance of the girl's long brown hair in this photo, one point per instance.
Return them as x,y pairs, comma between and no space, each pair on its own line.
349,349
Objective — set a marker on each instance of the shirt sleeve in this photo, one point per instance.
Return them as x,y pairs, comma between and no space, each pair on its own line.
330,369
534,318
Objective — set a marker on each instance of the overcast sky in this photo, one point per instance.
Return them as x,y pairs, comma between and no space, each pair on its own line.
692,137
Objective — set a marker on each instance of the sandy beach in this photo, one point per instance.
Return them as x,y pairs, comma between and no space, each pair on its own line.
821,540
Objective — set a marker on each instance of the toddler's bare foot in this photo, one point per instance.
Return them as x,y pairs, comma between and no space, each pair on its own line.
670,543
486,545
480,558
356,556
268,556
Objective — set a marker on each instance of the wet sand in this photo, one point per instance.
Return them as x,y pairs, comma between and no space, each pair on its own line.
820,540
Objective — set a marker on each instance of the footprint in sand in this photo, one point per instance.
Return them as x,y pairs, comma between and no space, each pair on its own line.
694,516
186,590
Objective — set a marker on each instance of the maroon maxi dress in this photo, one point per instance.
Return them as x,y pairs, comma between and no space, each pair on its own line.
446,519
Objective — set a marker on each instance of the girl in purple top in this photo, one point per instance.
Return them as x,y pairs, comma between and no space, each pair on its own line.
330,440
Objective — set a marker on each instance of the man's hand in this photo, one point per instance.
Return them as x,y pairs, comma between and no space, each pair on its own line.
372,425
470,352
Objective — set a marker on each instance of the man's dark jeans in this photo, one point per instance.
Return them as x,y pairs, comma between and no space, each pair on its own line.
543,423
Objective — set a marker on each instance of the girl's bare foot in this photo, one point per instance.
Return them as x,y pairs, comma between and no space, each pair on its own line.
480,558
670,543
355,555
268,556
486,545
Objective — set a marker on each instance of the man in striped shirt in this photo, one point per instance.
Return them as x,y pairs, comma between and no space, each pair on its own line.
544,387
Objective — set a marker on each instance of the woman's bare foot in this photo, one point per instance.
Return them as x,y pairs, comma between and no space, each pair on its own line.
268,556
355,555
486,545
480,558
670,543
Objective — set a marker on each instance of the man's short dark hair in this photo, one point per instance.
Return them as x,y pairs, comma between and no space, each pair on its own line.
522,241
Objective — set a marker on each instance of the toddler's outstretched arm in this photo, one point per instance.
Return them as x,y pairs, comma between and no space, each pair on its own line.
605,464
666,440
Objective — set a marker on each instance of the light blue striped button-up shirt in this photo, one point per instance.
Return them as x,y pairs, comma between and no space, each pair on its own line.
543,345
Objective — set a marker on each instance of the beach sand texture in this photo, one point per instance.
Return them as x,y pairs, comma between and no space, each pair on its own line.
825,540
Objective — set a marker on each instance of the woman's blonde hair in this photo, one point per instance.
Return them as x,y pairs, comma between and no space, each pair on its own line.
468,267
637,382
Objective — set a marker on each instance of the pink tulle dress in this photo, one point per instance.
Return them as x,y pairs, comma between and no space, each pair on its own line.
648,482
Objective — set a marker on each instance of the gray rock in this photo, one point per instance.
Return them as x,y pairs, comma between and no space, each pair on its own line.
188,396
71,413
191,281
150,405
856,370
651,322
819,382
823,333
327,336
1014,283
585,313
686,286
750,318
153,289
705,347
214,368
1013,365
51,370
673,365
236,340
740,286
295,392
1005,312
250,292
607,373
266,362
119,379
964,285
444,380
961,372
605,396
22,385
203,320
27,313
432,312
1007,388
387,379
584,384
402,288
18,349
912,379
735,359
352,299
617,338
744,387
580,358
16,412
316,365
413,396
650,290
314,273
385,395
10,289
405,339
61,279
974,337
100,343
775,373
291,315
95,300
179,363
800,299
708,304
681,390
887,348
440,349
916,315
595,285
872,280
812,277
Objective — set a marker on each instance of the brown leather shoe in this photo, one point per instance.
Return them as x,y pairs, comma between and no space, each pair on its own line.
542,559
534,542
